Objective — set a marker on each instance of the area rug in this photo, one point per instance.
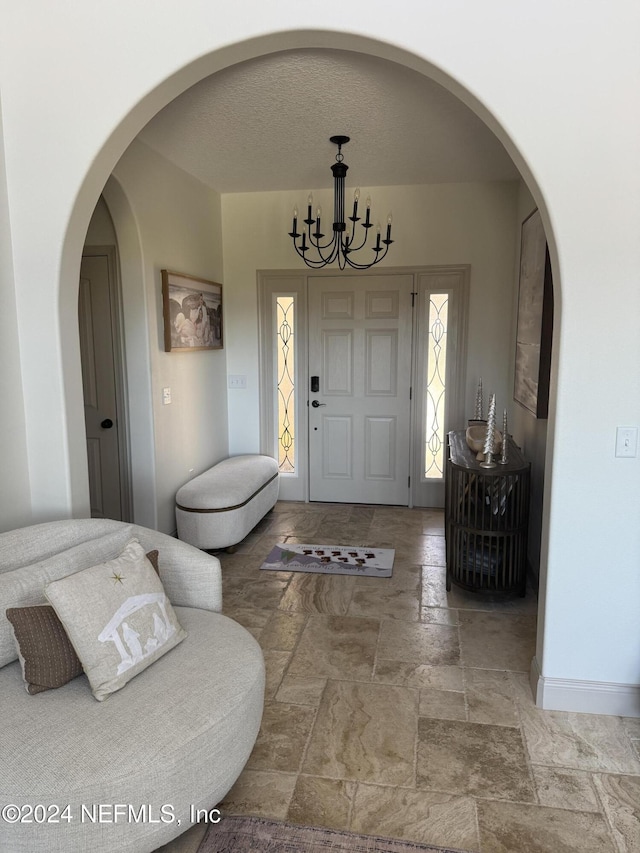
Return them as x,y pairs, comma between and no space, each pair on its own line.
252,834
331,560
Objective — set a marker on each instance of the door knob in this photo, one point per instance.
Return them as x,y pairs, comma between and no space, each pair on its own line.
315,404
107,423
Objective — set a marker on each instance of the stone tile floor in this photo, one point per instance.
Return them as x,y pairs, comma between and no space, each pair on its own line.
395,708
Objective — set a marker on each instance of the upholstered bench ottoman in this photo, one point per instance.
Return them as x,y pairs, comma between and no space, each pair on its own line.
219,507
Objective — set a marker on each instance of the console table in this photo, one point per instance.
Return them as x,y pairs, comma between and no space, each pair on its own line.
486,519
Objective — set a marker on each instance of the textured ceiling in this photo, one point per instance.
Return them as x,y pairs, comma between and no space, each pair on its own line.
265,125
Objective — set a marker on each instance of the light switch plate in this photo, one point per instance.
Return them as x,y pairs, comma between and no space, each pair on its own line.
627,442
237,381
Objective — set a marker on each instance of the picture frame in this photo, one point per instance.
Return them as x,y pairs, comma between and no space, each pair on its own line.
192,309
534,330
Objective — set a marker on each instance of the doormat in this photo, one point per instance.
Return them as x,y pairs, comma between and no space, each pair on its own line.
331,560
252,834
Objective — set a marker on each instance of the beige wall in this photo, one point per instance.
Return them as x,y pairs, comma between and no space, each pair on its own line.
15,501
436,224
179,228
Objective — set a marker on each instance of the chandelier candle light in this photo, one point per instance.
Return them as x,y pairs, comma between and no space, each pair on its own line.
343,242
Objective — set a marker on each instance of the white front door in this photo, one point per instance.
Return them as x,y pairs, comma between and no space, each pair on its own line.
360,329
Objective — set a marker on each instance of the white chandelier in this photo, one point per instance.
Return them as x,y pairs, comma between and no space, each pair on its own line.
344,242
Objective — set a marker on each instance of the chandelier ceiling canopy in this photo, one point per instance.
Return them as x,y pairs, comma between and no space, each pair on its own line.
345,240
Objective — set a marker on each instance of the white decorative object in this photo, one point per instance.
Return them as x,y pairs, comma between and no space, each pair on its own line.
504,456
479,401
489,439
476,436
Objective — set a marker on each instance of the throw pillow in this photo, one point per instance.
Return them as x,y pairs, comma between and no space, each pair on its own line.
118,618
47,658
152,556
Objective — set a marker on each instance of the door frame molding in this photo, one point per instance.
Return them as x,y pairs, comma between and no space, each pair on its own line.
298,280
119,357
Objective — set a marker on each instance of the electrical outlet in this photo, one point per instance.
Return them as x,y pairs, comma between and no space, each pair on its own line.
166,396
627,442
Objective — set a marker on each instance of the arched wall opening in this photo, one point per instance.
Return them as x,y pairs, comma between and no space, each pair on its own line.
131,256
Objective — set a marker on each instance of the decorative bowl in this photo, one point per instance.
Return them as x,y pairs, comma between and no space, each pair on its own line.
476,435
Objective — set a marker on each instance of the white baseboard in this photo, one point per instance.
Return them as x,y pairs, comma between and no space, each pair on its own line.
584,697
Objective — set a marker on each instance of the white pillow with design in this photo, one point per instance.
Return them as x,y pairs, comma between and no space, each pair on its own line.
118,618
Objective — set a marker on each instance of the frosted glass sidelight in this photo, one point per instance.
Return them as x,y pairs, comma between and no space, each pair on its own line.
285,323
435,390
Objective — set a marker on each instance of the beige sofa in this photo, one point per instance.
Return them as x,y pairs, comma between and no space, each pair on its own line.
128,773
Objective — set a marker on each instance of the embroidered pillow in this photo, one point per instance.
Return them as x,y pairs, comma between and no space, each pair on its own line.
117,617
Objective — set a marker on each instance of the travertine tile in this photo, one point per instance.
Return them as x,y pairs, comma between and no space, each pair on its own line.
365,732
442,704
282,738
492,641
439,615
565,789
275,663
620,796
341,533
382,602
321,802
406,577
434,594
422,816
311,593
580,741
418,675
301,690
263,590
419,643
422,550
261,793
282,631
433,522
632,727
475,759
336,647
297,523
516,827
490,697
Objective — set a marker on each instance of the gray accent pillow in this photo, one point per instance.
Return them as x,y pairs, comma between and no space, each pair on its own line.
118,618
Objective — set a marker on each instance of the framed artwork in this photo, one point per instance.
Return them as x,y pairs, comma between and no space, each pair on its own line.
535,320
192,310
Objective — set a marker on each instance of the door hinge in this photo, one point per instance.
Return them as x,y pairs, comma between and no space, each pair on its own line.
411,393
413,298
408,482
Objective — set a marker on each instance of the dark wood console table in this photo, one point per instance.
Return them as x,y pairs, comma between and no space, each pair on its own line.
486,519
